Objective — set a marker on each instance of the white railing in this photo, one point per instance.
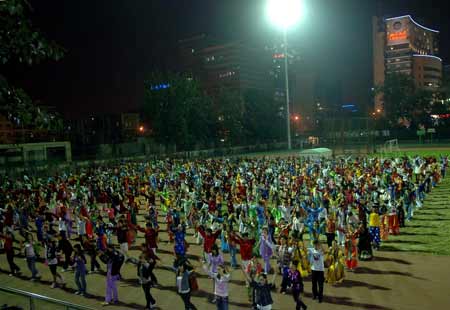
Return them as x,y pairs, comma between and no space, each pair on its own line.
33,298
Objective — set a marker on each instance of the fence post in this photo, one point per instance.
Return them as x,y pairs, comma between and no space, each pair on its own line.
31,303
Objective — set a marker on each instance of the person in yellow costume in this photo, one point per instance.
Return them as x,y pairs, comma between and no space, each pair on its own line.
374,228
335,258
301,256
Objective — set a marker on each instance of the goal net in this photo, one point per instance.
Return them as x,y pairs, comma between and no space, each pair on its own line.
391,146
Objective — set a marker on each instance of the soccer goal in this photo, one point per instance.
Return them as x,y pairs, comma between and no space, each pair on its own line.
391,146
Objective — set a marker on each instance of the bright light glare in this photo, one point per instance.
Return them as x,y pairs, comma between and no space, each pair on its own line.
285,13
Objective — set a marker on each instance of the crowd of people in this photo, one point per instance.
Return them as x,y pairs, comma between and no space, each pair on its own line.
317,217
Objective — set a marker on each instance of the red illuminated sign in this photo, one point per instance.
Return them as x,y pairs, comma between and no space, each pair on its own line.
402,35
440,116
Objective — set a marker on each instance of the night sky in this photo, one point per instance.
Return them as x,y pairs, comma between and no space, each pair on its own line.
113,44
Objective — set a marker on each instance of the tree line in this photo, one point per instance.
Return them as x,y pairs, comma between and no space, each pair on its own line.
180,113
408,104
21,44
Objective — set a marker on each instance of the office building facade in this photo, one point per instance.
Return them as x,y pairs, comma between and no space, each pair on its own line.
401,45
237,65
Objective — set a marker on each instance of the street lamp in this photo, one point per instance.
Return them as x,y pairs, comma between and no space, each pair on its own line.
285,14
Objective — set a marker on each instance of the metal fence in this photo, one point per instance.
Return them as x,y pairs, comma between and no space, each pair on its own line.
18,299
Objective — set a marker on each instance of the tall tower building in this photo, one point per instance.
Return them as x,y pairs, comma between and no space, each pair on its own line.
401,45
233,65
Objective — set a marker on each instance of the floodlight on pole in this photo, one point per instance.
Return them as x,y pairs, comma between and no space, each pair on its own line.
285,14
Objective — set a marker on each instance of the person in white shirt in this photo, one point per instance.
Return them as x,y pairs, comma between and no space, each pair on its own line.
81,227
297,227
316,258
286,211
323,215
30,256
221,280
62,227
340,223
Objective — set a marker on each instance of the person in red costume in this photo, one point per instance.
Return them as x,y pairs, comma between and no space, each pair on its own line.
245,248
209,239
151,236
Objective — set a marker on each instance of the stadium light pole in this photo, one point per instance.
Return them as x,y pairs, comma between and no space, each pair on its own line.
284,14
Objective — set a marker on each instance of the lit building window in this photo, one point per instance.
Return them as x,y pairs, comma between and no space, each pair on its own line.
227,74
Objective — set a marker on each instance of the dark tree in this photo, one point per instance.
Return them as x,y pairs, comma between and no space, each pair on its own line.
261,116
403,100
179,113
22,44
230,108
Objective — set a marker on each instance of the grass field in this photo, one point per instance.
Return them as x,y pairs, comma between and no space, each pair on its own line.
421,152
429,230
407,150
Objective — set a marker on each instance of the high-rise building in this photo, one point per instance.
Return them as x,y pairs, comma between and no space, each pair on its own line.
446,71
188,53
235,65
232,65
402,45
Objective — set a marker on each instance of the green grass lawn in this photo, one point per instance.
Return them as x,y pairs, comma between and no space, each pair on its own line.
424,152
429,230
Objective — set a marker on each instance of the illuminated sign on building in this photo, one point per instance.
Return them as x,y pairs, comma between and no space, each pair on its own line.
278,56
159,86
402,35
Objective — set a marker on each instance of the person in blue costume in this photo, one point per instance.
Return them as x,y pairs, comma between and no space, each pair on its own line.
180,244
313,214
260,215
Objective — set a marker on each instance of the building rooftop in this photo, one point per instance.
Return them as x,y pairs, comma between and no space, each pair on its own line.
417,24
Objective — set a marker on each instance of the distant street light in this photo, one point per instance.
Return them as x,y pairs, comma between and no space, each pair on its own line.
285,14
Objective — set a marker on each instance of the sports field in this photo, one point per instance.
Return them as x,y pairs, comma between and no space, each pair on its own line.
409,272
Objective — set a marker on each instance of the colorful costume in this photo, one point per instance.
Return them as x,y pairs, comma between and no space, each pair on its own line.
301,255
335,272
384,228
374,229
266,250
393,223
351,250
